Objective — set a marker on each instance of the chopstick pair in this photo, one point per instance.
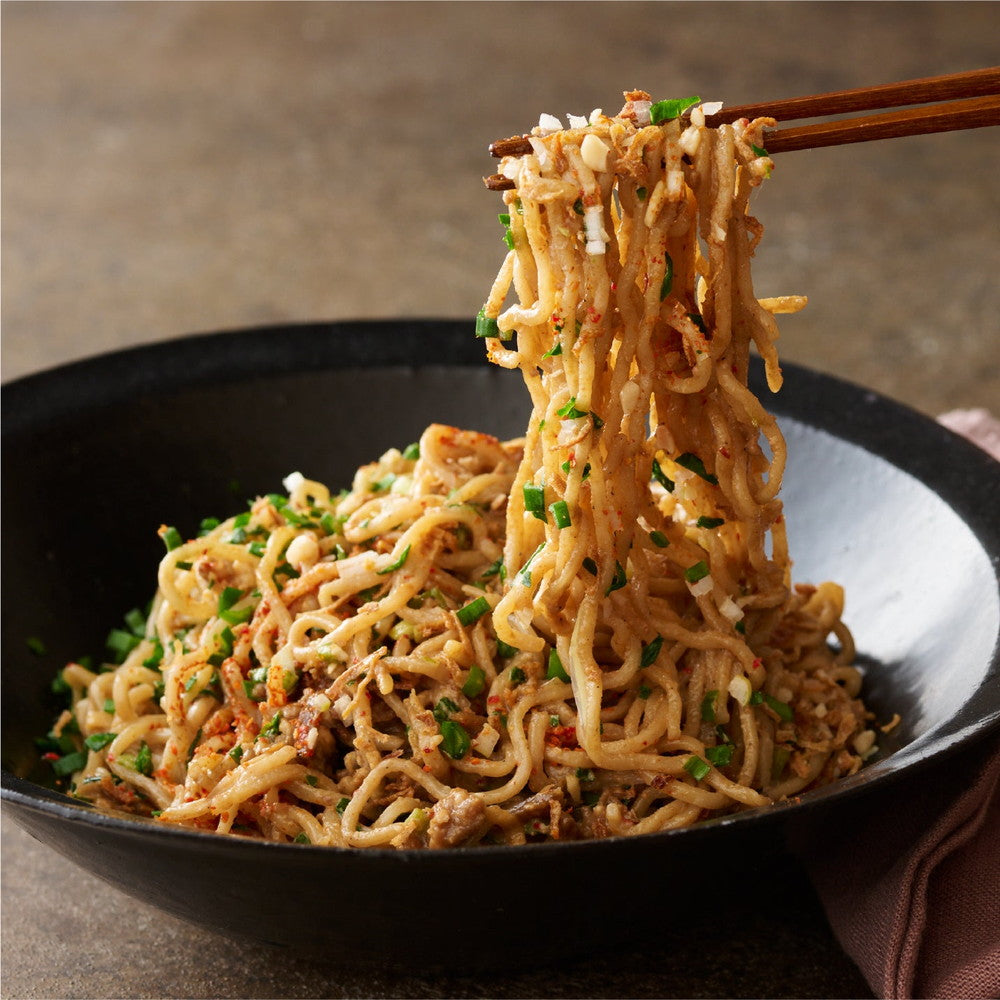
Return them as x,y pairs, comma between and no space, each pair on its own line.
963,101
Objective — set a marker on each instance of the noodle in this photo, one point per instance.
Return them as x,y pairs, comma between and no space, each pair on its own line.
589,632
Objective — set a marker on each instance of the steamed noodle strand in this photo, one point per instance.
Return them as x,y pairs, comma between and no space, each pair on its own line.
588,632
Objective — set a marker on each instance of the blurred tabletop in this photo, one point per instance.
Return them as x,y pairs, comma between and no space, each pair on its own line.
174,168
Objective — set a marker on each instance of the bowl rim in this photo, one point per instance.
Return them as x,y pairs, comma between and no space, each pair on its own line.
965,477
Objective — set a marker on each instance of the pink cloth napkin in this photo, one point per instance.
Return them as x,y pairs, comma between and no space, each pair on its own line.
914,896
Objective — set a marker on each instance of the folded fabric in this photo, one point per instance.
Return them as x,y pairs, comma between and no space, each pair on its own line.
912,890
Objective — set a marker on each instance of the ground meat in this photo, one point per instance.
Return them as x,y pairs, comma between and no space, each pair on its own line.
458,818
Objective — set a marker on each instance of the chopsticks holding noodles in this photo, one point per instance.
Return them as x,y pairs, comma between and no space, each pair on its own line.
930,104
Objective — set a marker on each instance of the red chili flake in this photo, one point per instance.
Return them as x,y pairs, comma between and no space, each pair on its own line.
562,736
757,663
50,756
724,451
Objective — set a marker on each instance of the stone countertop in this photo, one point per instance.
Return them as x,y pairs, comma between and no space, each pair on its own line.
172,168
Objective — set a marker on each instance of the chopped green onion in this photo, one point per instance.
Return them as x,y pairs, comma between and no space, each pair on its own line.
495,569
455,741
486,326
65,766
444,709
780,708
578,206
524,574
120,643
590,566
556,669
698,321
136,622
380,485
273,726
584,774
696,767
144,759
109,705
570,411
342,805
392,567
560,514
534,500
256,549
312,780
236,753
710,522
741,627
517,676
171,538
668,277
662,478
720,756
644,691
98,741
506,651
696,572
598,422
697,466
473,611
504,218
301,838
412,451
708,706
659,539
475,682
553,351
759,150
664,111
618,580
208,524
651,651
640,193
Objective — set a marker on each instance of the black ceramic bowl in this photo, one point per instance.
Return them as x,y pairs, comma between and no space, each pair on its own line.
96,455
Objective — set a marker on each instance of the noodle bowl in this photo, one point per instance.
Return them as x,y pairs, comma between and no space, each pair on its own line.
588,632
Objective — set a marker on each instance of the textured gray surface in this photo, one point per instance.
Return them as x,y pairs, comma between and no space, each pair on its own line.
173,168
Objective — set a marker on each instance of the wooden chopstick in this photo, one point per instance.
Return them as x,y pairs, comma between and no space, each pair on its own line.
965,100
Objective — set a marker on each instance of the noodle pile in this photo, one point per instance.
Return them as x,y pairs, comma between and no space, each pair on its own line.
588,633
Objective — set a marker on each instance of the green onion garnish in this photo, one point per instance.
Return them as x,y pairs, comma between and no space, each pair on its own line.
486,326
109,705
578,206
392,567
664,111
780,708
661,477
301,838
455,741
236,753
697,466
590,566
644,691
144,760
696,767
759,150
473,611
524,574
708,706
553,351
659,539
120,643
696,572
618,580
668,277
640,193
342,805
721,755
71,762
534,500
98,741
312,780
475,682
506,651
172,538
560,514
556,669
208,524
517,676
273,726
710,522
412,451
495,569
570,411
651,651
444,709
